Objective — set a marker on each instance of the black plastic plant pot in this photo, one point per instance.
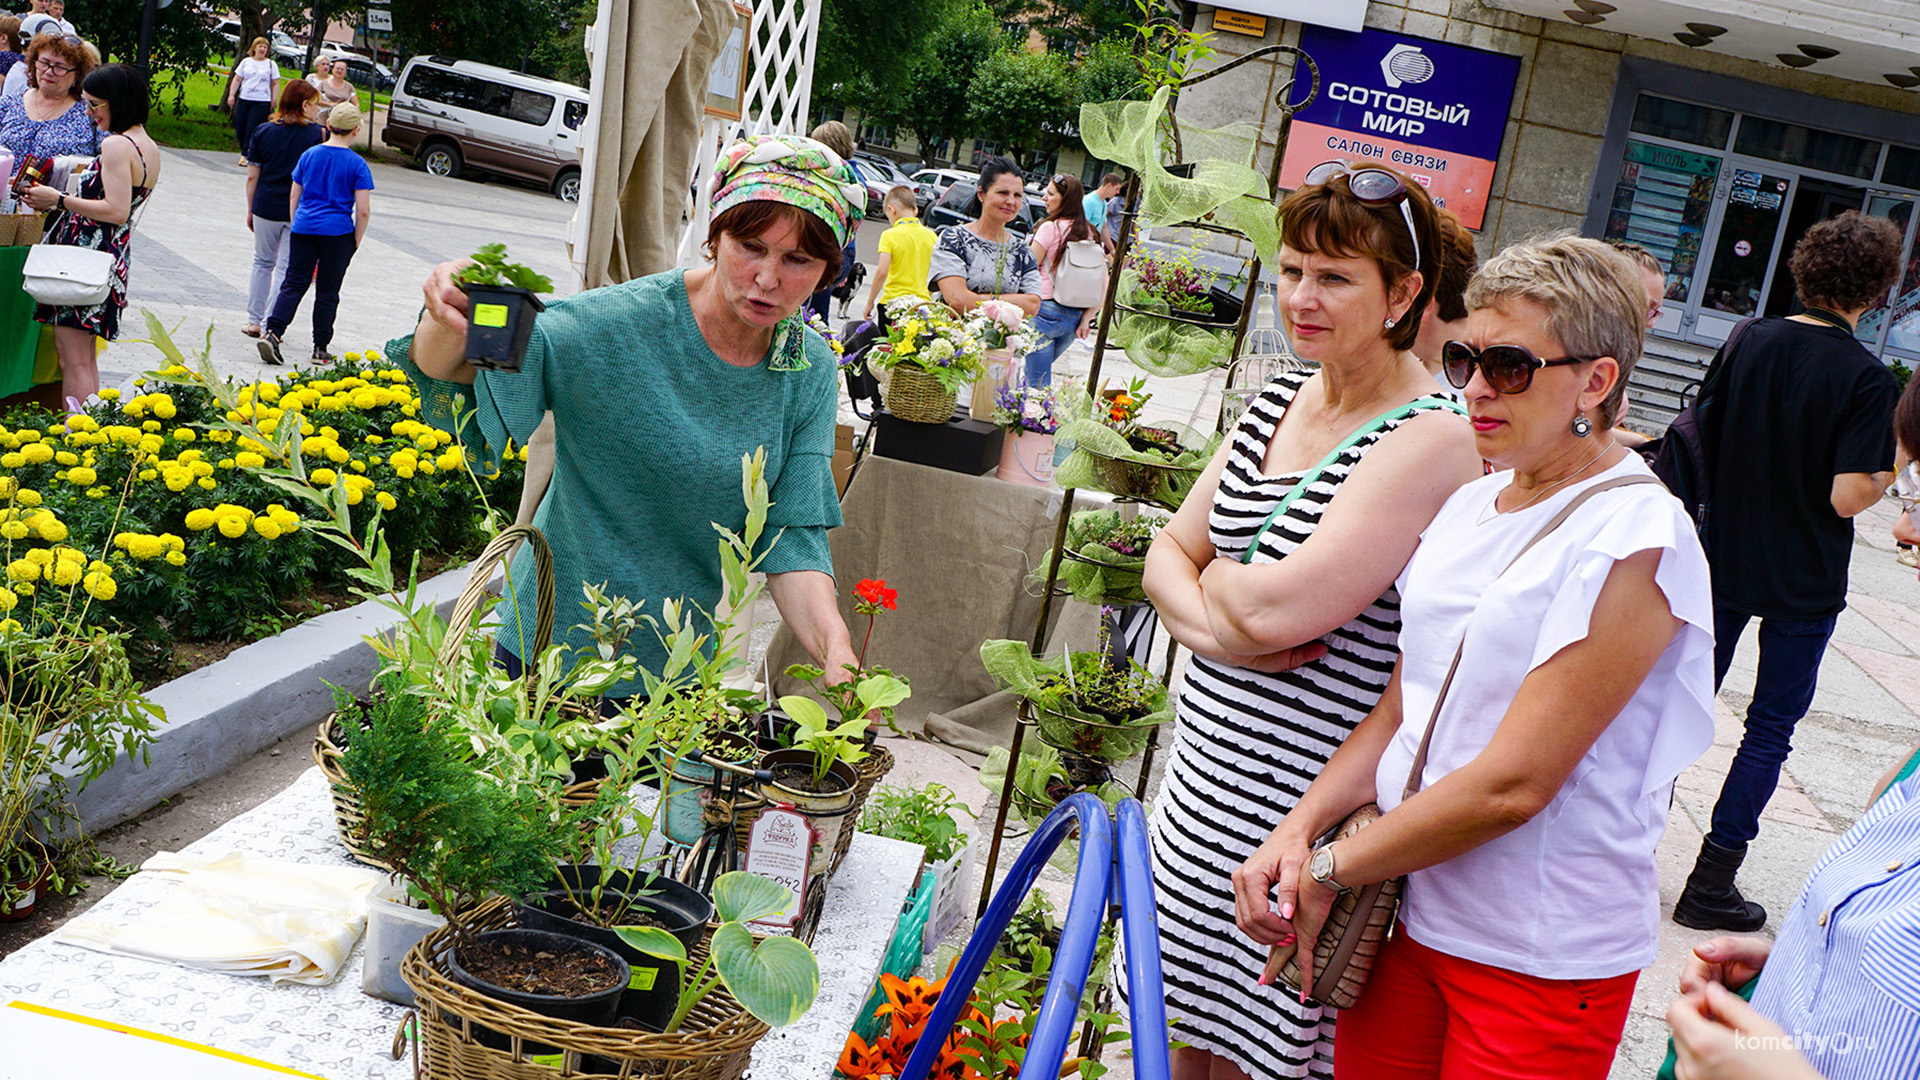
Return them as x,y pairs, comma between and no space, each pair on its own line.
774,730
653,984
598,1009
499,324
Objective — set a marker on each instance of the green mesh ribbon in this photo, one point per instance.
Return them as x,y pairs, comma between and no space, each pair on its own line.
1062,723
1224,190
1090,570
1160,345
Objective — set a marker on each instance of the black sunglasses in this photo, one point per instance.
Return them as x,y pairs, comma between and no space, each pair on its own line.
1373,187
1508,368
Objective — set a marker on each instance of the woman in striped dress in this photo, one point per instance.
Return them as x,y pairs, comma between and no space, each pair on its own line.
1294,644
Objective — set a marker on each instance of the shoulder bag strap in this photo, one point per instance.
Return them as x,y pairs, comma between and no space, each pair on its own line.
1426,740
1420,404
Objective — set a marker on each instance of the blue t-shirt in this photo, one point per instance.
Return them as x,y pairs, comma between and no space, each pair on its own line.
328,176
1095,208
277,148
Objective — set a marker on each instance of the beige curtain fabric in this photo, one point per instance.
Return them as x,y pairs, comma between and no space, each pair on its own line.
958,549
653,113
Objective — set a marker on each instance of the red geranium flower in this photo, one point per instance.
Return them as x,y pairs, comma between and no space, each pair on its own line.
875,594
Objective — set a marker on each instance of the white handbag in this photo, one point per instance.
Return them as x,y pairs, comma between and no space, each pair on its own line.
67,276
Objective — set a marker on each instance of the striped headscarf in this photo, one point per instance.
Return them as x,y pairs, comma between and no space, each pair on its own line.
794,170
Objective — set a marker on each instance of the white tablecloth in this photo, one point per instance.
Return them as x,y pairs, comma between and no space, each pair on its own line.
341,1034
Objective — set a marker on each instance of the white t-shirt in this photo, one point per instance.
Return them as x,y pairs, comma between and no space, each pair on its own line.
256,79
16,81
1573,893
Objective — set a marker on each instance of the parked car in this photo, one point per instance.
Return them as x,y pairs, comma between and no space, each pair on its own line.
952,209
458,116
279,45
362,71
933,183
881,176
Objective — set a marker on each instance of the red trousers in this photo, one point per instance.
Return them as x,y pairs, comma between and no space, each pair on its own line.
1425,1015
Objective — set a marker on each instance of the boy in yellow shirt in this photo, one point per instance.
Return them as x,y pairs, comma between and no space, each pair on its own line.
906,254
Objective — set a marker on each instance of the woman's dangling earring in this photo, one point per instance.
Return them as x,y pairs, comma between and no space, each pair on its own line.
1582,427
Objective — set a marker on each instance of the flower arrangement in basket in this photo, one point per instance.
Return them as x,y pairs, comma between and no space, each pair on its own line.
1091,704
1115,450
997,324
1104,556
929,353
1169,321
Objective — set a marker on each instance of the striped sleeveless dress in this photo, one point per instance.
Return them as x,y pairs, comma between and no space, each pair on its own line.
1245,748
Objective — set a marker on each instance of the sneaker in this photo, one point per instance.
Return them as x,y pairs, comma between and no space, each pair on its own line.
322,356
269,346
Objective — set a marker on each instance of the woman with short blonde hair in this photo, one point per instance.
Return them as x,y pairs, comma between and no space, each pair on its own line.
251,92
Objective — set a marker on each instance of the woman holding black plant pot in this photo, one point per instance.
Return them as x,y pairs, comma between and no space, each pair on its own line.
657,387
1278,572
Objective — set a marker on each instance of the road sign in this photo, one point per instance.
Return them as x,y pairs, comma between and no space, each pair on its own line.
379,19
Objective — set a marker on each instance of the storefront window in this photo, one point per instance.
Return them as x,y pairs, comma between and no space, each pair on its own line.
1793,144
1682,121
1661,203
1744,250
1902,168
1898,210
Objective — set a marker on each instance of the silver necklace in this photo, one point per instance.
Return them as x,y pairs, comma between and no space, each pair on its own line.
1493,507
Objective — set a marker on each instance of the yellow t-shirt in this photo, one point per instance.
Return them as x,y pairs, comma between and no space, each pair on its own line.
911,245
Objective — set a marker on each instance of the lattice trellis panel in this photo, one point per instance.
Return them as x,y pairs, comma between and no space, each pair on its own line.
779,97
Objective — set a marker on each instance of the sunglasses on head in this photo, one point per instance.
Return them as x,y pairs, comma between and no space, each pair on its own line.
1508,369
1373,187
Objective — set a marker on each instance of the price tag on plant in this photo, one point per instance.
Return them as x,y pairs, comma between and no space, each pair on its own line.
779,847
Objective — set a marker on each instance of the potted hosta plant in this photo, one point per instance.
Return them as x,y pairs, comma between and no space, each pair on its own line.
501,305
1029,415
928,355
817,775
73,709
1105,556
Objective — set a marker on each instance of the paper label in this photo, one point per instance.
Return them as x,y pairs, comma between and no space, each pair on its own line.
779,846
643,978
490,315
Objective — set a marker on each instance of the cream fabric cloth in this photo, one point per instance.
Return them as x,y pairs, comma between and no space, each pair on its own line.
292,922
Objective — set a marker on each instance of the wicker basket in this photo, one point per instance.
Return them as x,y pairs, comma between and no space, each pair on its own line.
914,395
714,1043
330,741
1138,479
1113,743
18,230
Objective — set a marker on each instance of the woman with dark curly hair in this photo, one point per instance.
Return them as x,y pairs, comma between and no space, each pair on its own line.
1798,429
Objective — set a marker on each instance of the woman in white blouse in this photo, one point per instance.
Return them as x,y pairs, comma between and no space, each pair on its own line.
251,92
1584,686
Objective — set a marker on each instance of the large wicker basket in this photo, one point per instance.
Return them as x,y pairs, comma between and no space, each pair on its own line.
914,395
714,1043
17,230
331,741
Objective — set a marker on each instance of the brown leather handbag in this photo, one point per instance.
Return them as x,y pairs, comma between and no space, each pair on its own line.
1361,919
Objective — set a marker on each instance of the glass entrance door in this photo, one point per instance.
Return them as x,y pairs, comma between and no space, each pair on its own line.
1895,325
1741,264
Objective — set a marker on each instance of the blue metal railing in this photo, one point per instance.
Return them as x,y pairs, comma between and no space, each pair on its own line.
1097,875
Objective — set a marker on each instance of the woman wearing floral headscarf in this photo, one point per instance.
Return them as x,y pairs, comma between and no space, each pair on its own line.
657,387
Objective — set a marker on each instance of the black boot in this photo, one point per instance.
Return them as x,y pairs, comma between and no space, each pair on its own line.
1711,901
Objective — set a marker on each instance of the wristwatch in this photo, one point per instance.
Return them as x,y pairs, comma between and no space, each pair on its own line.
62,204
1320,868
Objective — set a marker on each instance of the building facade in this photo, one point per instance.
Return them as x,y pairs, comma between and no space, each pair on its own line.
1712,132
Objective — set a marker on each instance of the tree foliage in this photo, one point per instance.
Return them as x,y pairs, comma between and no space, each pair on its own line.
869,49
1110,72
937,106
1024,100
499,32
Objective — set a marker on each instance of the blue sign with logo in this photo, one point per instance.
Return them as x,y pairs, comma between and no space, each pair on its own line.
1435,111
1448,97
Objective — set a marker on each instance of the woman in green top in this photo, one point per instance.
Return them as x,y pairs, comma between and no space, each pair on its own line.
657,387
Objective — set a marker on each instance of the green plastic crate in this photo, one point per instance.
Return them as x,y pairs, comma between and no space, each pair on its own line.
903,954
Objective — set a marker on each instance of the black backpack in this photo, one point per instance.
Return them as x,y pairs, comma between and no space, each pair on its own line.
1683,457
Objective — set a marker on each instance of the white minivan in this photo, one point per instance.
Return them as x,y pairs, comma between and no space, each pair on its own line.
458,115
